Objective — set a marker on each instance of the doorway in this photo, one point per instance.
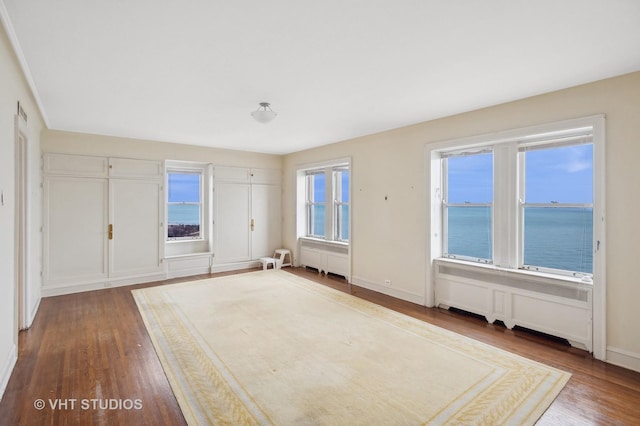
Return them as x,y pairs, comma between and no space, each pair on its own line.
21,220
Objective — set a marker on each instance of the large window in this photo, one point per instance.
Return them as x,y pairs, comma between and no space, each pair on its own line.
525,203
184,205
327,203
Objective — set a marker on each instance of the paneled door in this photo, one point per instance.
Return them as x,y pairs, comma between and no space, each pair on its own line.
135,234
265,213
76,223
233,222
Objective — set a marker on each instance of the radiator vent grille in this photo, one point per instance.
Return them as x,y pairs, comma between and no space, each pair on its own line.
325,246
510,280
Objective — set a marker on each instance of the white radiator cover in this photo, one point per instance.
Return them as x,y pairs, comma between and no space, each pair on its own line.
544,304
326,257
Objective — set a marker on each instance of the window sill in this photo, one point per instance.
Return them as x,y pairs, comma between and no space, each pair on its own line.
194,240
327,242
540,276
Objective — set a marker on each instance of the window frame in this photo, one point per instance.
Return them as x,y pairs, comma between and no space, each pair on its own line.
304,206
509,178
311,203
523,148
504,141
446,205
201,171
337,193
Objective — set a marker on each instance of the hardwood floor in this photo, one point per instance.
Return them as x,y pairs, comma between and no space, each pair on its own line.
94,346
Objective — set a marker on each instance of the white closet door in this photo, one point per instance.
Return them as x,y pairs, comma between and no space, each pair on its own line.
75,229
233,222
136,216
265,210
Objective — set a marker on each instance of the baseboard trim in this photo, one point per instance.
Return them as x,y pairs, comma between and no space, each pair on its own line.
101,285
34,311
623,358
389,291
115,282
226,267
188,272
7,368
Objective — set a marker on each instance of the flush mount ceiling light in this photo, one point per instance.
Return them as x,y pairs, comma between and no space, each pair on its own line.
264,114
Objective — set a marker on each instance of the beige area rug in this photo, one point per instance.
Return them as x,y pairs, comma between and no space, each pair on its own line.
270,347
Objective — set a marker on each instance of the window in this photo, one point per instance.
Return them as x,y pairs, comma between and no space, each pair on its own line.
184,205
327,201
525,202
557,207
468,205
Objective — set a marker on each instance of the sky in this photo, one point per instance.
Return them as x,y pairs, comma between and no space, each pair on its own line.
184,187
562,174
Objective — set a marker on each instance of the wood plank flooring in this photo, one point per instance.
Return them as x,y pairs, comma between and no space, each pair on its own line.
94,346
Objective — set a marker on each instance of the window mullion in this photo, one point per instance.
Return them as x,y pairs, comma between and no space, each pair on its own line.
443,207
328,204
309,183
505,205
521,200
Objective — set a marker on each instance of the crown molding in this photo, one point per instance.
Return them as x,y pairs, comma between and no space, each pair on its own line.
13,39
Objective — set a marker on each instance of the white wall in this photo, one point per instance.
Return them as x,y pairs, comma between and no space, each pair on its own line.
389,238
13,88
88,144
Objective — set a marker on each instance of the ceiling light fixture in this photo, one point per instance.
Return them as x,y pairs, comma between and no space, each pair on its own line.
264,114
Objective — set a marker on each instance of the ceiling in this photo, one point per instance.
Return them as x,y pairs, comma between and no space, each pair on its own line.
193,71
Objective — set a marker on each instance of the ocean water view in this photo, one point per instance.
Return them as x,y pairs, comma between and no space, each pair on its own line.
554,237
183,214
318,225
183,221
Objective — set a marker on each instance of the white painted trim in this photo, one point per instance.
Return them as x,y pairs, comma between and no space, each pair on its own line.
109,283
34,311
623,358
433,222
7,369
236,266
515,134
599,235
389,291
186,265
189,272
13,38
322,164
100,285
22,231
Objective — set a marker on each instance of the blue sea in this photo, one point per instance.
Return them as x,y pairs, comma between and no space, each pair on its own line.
319,222
183,214
554,237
